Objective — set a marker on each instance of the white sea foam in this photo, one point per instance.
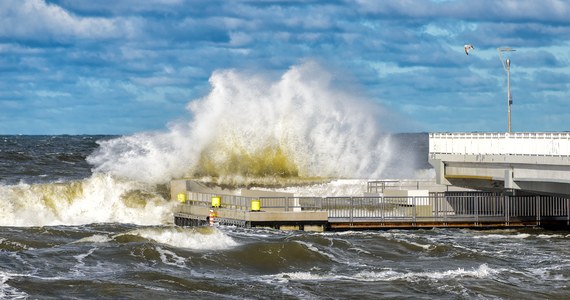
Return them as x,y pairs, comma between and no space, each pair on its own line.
503,236
315,249
428,247
170,258
299,276
13,244
7,291
101,198
81,257
551,236
79,268
551,273
360,250
320,127
483,271
203,238
97,238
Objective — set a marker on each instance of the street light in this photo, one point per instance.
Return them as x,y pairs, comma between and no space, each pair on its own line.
507,67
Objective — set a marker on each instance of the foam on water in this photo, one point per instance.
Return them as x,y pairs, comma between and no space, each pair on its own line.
304,124
7,291
170,258
483,271
98,238
79,269
316,250
101,198
201,238
551,236
297,276
503,236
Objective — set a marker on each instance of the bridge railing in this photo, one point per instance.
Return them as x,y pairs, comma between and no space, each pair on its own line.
378,186
472,207
501,143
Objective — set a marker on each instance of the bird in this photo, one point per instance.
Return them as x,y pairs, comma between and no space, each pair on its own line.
468,47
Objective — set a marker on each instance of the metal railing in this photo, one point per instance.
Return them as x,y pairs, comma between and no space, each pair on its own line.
493,143
473,207
378,186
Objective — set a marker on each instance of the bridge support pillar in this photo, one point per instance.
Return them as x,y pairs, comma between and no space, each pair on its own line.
509,182
439,167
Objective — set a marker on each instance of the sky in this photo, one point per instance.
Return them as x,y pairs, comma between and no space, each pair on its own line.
121,67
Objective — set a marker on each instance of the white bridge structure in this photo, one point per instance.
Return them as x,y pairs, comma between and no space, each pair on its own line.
521,162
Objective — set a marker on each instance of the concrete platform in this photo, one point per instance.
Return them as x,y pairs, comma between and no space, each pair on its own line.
393,209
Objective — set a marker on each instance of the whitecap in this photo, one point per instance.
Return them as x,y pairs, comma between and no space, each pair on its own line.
7,291
198,238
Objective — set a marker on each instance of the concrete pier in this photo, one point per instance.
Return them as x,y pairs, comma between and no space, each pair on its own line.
386,210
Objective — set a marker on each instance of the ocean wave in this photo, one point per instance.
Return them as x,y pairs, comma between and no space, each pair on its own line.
100,198
300,125
7,291
194,238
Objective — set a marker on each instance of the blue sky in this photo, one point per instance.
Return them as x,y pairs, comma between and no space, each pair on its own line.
120,67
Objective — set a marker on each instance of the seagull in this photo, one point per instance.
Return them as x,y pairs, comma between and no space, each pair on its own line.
467,47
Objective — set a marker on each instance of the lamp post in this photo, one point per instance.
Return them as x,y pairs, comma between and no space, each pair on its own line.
507,66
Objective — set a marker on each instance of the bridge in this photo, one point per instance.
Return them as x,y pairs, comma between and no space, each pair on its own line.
517,163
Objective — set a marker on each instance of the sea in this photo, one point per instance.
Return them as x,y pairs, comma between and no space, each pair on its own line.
84,217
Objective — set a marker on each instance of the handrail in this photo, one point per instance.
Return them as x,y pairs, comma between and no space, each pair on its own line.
501,143
378,186
476,207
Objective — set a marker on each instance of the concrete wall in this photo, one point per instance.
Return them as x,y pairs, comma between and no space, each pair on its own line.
533,162
519,143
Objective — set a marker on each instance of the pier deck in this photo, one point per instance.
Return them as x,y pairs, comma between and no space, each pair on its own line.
457,209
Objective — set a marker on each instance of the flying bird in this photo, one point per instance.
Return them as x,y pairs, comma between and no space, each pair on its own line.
468,47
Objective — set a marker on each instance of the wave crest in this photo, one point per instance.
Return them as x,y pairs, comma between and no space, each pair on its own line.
301,125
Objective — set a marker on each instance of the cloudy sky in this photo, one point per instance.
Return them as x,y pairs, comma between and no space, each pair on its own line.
120,67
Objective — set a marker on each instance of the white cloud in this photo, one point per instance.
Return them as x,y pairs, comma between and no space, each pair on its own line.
492,10
239,39
35,19
407,53
52,94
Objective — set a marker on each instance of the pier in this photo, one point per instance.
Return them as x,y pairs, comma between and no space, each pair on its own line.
378,209
483,180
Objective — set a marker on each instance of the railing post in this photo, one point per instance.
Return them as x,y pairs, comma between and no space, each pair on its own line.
537,200
415,209
436,206
446,210
476,206
382,207
567,211
507,209
351,210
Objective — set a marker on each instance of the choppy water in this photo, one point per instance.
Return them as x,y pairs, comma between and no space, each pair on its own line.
126,261
66,233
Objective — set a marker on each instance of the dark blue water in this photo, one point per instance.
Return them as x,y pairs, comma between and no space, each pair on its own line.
35,159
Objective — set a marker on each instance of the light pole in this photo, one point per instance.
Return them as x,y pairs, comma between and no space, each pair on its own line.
507,67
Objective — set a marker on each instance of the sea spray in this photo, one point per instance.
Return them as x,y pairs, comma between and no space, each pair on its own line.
101,198
301,125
